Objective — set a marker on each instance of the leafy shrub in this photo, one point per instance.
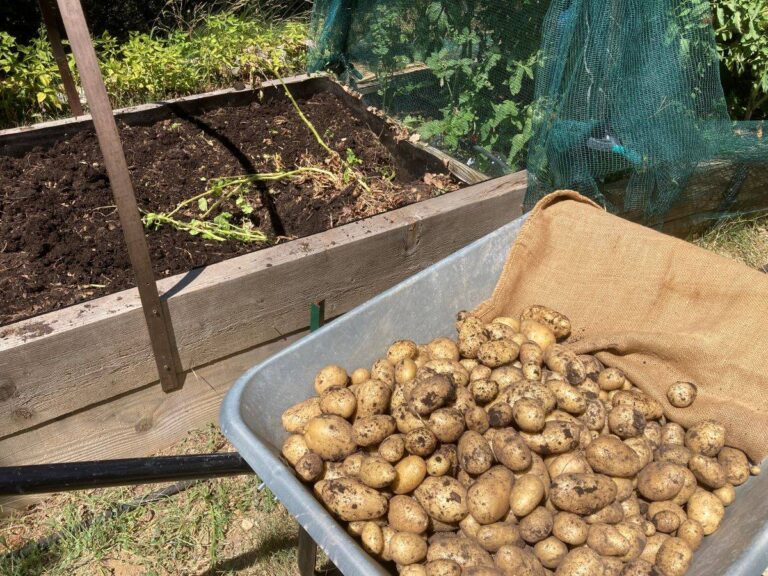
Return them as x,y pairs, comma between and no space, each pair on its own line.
741,27
224,50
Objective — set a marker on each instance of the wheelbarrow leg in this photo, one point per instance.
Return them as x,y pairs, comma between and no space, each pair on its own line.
307,553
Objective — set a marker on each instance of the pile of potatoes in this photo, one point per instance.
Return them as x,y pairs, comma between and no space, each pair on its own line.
504,453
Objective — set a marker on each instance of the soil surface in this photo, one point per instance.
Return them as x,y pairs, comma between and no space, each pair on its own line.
60,237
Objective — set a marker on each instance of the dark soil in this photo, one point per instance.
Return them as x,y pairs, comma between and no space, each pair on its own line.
60,237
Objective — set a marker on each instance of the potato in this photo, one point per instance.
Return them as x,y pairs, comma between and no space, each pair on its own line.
373,398
676,453
526,494
405,371
611,514
706,437
475,455
407,515
727,494
652,433
691,533
580,562
444,498
735,464
651,409
582,493
499,331
611,379
431,393
681,394
463,551
706,509
421,442
674,557
372,538
660,480
476,419
555,321
609,455
563,361
530,352
373,430
502,476
295,418
332,470
442,568
607,540
447,424
401,350
541,334
513,323
570,528
594,417
383,371
493,536
442,461
409,473
666,521
392,448
556,438
407,548
626,421
708,471
376,472
642,448
495,353
689,487
338,401
631,505
483,391
406,421
487,501
310,467
331,376
480,372
639,567
451,368
568,463
294,448
550,552
506,375
443,349
331,437
514,561
464,401
672,433
359,376
536,526
652,545
500,415
509,448
352,500
529,415
569,398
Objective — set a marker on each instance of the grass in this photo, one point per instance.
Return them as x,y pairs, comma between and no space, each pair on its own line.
216,527
742,238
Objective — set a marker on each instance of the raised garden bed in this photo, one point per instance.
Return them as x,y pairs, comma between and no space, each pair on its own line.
80,382
62,242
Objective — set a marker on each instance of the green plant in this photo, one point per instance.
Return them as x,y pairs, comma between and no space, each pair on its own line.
219,50
741,27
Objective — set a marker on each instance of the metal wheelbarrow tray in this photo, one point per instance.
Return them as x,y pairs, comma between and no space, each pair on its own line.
421,308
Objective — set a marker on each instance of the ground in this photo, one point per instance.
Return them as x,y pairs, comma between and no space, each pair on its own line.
217,527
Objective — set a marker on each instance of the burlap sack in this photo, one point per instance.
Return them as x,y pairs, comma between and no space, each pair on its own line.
654,306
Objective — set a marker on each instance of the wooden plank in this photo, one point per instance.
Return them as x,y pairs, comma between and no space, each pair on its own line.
155,314
17,141
67,360
135,425
50,17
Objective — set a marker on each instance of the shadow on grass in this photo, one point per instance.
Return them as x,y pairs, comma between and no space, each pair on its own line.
29,560
271,545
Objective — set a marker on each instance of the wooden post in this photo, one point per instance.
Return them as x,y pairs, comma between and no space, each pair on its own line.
163,345
54,37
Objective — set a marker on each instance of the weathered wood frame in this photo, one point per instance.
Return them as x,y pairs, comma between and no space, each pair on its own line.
80,383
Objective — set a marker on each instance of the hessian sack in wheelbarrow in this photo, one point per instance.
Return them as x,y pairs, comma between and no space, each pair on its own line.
660,309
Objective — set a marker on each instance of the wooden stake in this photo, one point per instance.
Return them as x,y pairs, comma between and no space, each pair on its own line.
54,37
163,345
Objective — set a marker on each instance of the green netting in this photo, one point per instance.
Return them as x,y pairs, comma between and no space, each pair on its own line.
619,99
